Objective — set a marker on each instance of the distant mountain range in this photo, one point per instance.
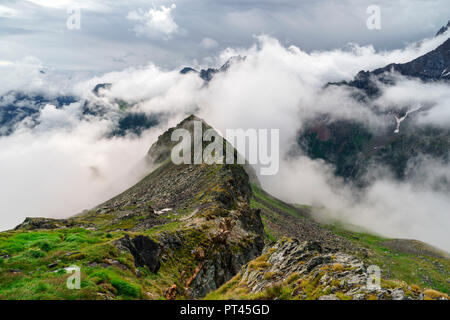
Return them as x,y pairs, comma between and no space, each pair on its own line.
17,106
433,66
351,147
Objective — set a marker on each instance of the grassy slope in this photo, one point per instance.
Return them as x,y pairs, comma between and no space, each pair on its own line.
26,258
270,207
28,273
426,271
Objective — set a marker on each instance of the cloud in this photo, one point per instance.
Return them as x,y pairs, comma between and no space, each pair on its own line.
208,43
65,165
29,75
408,209
434,97
64,4
24,73
40,29
7,12
154,22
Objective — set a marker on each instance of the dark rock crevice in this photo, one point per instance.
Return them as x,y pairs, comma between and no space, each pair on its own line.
144,250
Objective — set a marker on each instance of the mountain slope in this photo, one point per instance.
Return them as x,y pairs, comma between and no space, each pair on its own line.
430,67
352,147
309,261
305,271
196,218
186,231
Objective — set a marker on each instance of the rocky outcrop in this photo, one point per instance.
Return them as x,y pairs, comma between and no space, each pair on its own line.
145,251
443,29
236,240
304,270
208,74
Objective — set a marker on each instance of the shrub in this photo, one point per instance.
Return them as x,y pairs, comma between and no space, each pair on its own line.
433,294
269,275
293,277
36,254
415,288
45,246
42,287
337,267
125,288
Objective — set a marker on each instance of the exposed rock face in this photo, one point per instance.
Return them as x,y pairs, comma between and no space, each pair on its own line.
208,74
145,251
238,241
431,66
308,272
443,29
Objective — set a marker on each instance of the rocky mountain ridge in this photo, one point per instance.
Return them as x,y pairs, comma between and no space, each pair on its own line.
190,231
304,270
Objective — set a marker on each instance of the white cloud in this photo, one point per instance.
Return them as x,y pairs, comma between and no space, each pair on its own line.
7,12
28,75
208,43
432,96
65,166
154,22
24,73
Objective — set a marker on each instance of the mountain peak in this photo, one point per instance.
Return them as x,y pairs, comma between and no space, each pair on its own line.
443,29
160,151
208,74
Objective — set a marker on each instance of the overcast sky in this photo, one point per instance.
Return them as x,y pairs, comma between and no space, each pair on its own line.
119,34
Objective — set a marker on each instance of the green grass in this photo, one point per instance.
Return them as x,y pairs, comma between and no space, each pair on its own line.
415,269
268,231
263,200
35,267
